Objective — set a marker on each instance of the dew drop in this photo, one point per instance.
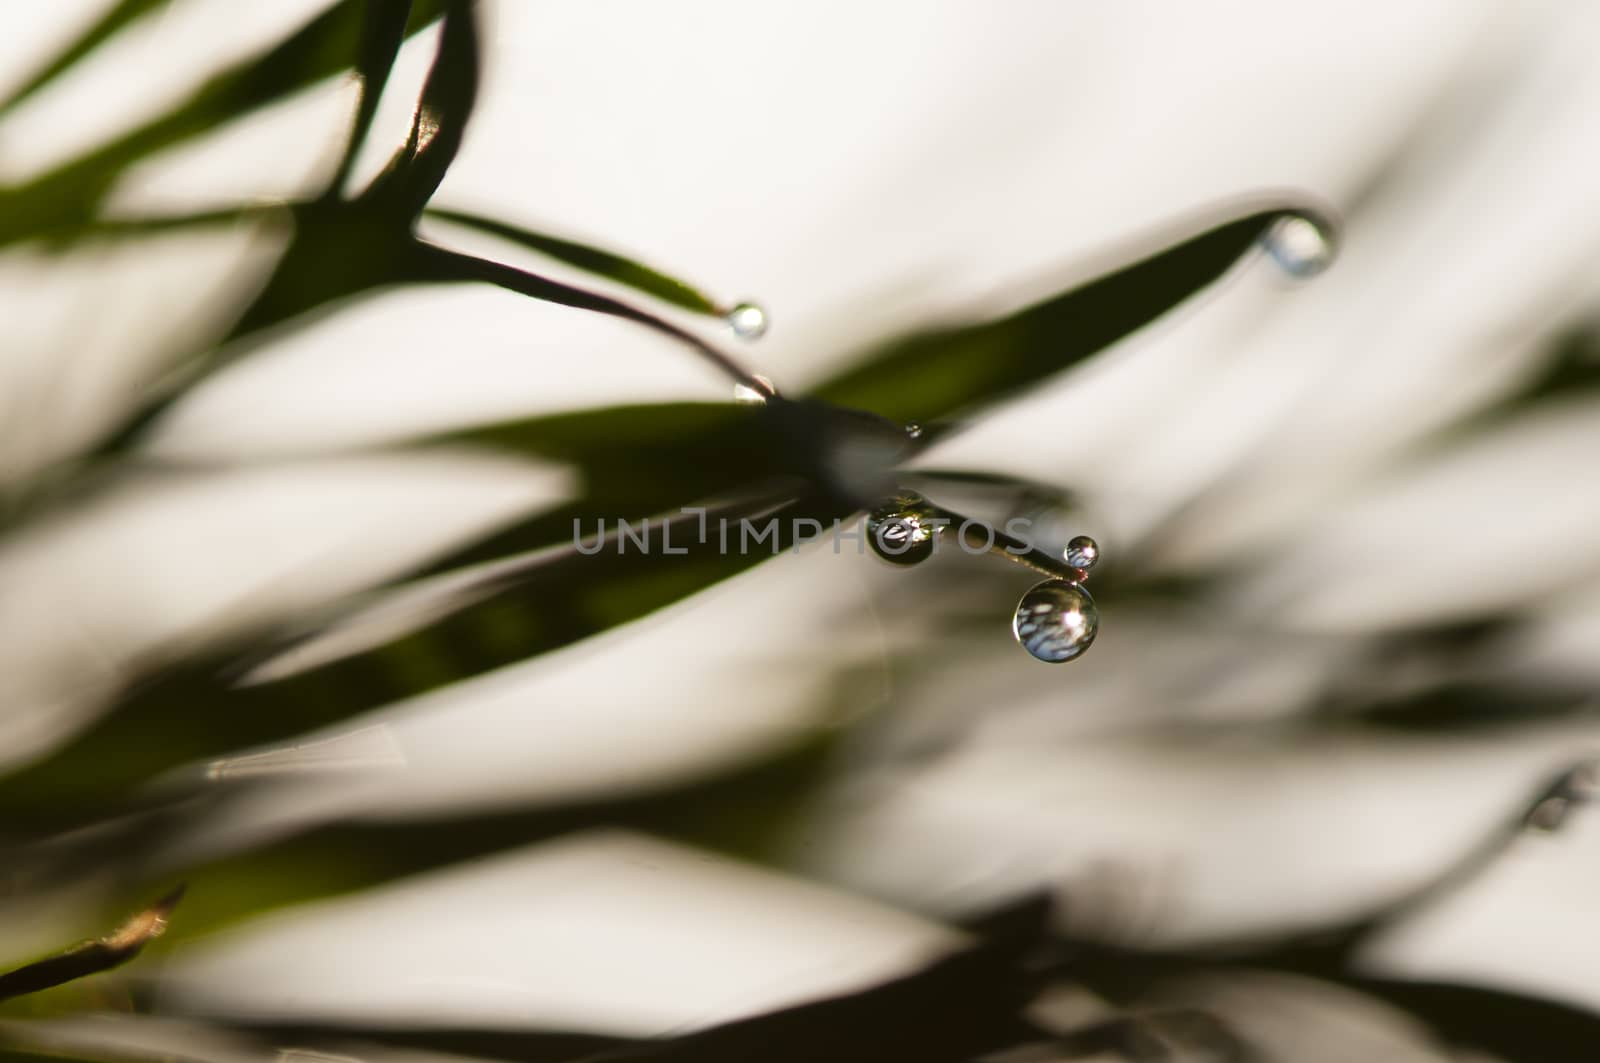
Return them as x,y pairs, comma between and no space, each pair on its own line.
913,430
1299,246
1548,815
901,530
1579,786
749,396
1082,552
748,321
1056,621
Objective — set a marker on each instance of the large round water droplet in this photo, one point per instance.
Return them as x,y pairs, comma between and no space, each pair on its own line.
748,321
1082,552
901,531
1299,246
1056,621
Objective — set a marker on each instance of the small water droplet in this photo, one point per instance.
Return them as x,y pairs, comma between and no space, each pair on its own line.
1548,815
1580,785
1299,246
1082,552
748,321
749,396
901,530
1056,621
913,430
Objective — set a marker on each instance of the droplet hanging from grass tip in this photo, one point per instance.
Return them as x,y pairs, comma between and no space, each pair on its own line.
902,530
748,320
1301,245
1056,621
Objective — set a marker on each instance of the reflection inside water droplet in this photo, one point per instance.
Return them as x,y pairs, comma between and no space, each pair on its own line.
748,321
901,531
1056,621
1299,246
1082,552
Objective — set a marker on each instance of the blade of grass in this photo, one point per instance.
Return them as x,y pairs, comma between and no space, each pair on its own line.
71,193
613,267
108,25
383,31
440,123
935,374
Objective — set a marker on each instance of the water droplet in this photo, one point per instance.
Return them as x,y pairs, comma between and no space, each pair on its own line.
1056,621
1082,552
1548,815
1580,785
749,396
1299,246
913,430
748,321
901,530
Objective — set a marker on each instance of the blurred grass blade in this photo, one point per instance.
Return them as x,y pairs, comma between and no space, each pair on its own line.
69,194
633,461
601,263
93,36
409,609
193,712
1502,1024
440,122
935,374
1569,371
383,31
908,1017
341,250
92,957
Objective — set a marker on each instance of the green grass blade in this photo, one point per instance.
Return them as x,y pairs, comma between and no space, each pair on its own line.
936,374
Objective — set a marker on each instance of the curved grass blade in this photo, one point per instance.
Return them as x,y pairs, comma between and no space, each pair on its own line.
748,810
601,263
931,375
443,265
1569,371
69,194
194,712
383,31
440,122
956,1008
344,250
108,25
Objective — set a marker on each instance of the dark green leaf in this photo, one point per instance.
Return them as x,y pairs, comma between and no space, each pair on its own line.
935,374
440,123
613,267
383,30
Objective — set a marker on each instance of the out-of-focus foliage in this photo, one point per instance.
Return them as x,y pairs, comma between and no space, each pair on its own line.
97,817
